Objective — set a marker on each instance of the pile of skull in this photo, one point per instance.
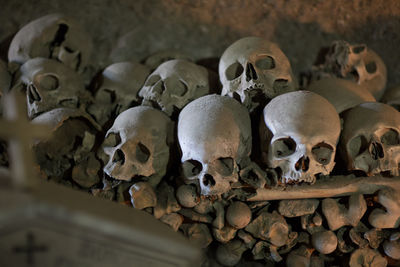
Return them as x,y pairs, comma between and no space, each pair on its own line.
165,137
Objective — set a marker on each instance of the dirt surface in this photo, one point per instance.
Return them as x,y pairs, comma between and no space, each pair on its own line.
131,30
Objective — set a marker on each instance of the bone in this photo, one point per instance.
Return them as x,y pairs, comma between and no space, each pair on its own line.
324,242
342,246
335,186
85,173
229,254
392,246
166,201
187,196
194,216
197,233
366,257
238,215
142,195
390,217
219,220
375,237
337,215
297,208
248,239
174,220
299,257
271,227
224,234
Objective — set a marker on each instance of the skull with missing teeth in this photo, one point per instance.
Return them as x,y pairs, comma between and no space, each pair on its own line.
174,84
138,145
370,139
255,70
214,135
299,134
52,36
50,84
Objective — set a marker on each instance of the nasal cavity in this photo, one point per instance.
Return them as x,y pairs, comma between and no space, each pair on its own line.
251,73
302,164
376,150
119,157
208,180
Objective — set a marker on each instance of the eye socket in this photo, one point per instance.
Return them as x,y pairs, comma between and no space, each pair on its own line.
112,140
357,145
283,147
152,80
358,49
176,87
225,166
322,153
191,168
47,82
390,138
265,63
142,153
234,71
371,67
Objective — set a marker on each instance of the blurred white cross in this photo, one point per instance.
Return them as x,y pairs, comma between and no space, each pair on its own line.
20,132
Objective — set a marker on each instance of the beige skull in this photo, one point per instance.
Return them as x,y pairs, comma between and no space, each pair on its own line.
116,89
50,84
174,84
53,36
254,68
299,134
138,144
214,135
370,139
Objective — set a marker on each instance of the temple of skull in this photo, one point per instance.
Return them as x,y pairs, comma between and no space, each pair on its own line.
200,133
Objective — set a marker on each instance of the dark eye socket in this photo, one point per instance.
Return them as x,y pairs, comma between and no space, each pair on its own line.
225,166
47,82
191,168
371,67
152,80
176,87
322,153
265,63
358,49
390,138
283,147
357,145
112,140
234,71
142,153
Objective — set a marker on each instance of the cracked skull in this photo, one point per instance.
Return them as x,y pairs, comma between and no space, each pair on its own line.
299,134
50,84
53,36
174,84
357,63
138,144
255,70
116,89
214,135
370,139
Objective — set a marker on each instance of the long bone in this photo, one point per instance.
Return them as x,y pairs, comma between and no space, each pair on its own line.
336,186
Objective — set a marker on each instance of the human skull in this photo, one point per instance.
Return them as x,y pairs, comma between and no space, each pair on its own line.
357,63
53,36
57,154
214,135
138,144
299,134
174,84
254,68
50,84
370,139
116,89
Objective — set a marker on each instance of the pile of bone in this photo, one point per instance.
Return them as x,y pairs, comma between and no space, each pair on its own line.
246,168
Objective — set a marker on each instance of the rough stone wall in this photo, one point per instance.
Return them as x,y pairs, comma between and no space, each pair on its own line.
131,30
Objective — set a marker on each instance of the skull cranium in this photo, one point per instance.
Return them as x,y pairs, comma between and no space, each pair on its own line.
253,68
138,145
299,135
50,84
370,138
214,135
174,84
53,36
